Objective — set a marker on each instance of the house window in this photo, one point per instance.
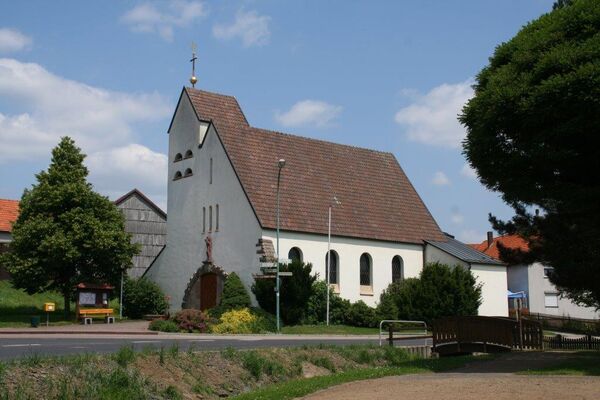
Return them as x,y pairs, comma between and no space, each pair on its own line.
397,269
211,170
188,172
217,217
210,218
366,284
548,271
177,175
189,154
203,219
295,254
178,157
333,271
551,300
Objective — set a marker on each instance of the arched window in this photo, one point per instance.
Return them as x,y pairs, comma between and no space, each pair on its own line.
188,172
295,254
210,218
210,171
203,219
333,271
365,270
397,269
177,175
189,154
178,157
217,217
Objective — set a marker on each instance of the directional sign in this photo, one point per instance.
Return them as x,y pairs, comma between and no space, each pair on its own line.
285,261
267,265
258,276
269,270
284,273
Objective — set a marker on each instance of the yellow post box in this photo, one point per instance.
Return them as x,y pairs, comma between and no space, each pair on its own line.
49,307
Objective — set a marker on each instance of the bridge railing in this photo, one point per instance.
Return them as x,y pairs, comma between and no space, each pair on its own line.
506,332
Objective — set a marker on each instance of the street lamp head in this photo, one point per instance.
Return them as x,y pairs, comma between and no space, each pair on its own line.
281,163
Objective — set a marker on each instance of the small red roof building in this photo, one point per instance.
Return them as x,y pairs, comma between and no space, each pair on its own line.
490,247
9,212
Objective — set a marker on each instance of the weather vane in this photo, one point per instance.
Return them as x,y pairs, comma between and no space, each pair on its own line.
193,79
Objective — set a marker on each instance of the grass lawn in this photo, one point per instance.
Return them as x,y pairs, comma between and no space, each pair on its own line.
582,363
328,330
17,307
301,387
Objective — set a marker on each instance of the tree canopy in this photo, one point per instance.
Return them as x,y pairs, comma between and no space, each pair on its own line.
66,233
532,135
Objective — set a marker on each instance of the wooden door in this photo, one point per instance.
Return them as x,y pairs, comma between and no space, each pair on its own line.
208,291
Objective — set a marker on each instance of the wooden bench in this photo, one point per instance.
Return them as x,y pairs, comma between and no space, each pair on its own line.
87,313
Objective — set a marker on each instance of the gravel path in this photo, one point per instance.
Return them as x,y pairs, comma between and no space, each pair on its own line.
466,386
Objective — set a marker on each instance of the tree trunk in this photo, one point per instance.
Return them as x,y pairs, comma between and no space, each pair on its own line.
67,297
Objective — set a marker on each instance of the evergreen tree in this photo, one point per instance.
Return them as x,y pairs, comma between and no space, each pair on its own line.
234,294
532,135
66,233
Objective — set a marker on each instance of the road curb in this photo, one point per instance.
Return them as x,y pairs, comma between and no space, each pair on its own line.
30,332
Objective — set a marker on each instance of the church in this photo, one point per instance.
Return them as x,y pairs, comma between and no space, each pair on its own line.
224,176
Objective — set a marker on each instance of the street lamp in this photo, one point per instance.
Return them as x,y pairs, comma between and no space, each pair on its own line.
328,266
280,164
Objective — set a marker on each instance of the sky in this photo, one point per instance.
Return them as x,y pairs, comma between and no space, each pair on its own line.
385,75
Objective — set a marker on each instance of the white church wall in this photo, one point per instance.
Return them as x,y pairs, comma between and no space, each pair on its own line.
314,250
234,243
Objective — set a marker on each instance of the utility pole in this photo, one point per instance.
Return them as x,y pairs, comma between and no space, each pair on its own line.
280,164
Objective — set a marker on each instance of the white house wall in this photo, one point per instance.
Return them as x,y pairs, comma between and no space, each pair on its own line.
494,301
234,244
539,285
494,289
349,250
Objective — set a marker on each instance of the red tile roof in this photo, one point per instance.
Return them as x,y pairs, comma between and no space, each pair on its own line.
508,241
377,199
9,211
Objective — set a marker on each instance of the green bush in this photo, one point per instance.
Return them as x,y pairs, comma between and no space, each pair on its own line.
191,320
296,291
316,308
439,291
141,297
125,355
360,314
387,308
163,325
235,295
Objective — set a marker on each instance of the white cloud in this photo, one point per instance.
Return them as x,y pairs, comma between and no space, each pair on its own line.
440,179
467,171
51,107
163,17
249,26
134,165
309,112
470,236
12,40
432,118
457,218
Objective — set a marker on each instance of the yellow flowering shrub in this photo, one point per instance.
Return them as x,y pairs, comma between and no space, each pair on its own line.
236,321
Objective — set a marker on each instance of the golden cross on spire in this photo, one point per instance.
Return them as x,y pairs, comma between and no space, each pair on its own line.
193,79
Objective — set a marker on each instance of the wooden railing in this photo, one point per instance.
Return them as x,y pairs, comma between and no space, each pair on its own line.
560,342
484,332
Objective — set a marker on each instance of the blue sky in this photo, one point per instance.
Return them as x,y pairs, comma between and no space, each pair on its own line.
387,75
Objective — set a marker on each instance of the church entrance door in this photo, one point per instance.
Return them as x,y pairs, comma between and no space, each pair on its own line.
208,291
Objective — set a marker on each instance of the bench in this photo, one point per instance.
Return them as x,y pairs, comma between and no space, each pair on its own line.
87,313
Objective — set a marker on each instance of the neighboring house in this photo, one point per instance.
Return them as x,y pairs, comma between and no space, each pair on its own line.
144,220
542,296
222,208
147,224
488,270
9,211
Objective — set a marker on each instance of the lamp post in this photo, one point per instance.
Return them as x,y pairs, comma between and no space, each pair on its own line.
280,164
328,266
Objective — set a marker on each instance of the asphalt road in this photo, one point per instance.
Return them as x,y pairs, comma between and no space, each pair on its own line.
15,347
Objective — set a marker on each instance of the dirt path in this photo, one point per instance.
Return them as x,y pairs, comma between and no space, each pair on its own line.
477,380
466,386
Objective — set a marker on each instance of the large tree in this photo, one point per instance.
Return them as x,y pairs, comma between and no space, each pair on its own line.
533,128
66,233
